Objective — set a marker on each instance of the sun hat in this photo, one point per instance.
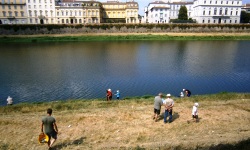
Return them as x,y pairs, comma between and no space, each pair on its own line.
168,95
196,104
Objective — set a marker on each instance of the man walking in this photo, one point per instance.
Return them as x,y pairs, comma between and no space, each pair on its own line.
50,127
157,106
169,104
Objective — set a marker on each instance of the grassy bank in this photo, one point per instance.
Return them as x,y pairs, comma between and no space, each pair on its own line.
123,37
127,124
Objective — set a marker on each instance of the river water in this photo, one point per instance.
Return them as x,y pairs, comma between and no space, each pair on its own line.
38,72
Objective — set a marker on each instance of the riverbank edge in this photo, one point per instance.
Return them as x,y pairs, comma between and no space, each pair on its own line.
123,37
69,107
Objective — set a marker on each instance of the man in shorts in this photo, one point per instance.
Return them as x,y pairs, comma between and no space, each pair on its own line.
157,106
50,127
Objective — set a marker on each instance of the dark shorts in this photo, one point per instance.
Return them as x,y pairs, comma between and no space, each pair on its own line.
157,111
52,134
195,116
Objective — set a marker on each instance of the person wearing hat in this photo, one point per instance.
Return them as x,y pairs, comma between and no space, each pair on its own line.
195,112
109,95
169,104
187,92
157,106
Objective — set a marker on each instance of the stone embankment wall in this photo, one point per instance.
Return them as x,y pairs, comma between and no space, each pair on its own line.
123,28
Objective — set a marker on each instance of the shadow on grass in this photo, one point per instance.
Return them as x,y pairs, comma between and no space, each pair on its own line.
242,145
70,143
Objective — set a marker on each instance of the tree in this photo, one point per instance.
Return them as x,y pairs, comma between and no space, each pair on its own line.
183,13
244,17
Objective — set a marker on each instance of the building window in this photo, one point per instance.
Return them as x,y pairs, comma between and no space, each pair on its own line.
62,20
209,13
214,21
220,12
225,21
16,13
4,13
57,13
230,21
36,21
30,20
203,21
208,21
215,11
235,21
22,13
203,12
236,13
226,11
231,13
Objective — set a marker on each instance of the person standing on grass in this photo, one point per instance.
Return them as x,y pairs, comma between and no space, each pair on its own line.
117,94
187,92
50,127
157,106
195,112
109,95
169,104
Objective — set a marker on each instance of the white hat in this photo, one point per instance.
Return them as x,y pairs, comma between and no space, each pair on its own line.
168,95
109,90
196,104
183,89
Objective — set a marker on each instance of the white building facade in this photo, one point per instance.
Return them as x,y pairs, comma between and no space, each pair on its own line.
40,11
202,11
163,12
217,11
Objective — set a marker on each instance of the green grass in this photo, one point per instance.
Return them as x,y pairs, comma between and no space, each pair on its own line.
64,105
118,38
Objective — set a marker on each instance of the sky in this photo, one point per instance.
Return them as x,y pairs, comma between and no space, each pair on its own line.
144,3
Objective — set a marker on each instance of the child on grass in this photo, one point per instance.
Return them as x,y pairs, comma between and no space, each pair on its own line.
195,112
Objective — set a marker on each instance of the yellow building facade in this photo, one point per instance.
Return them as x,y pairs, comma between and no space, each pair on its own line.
120,12
13,12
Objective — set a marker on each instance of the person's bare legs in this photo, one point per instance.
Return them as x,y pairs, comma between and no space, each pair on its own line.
156,117
52,142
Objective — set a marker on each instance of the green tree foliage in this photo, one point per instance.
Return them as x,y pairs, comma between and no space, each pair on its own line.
183,13
244,17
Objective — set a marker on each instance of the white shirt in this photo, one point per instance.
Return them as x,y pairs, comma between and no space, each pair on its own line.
195,110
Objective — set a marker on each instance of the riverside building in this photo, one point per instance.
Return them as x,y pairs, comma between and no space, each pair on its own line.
78,12
217,11
40,11
13,12
164,11
120,12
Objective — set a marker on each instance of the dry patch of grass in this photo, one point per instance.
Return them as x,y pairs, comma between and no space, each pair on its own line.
128,124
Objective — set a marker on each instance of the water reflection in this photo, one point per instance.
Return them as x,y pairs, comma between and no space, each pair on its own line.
52,71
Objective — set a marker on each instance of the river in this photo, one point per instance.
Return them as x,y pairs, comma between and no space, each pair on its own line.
39,72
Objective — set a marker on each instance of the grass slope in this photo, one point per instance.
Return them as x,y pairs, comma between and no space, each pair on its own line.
127,124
